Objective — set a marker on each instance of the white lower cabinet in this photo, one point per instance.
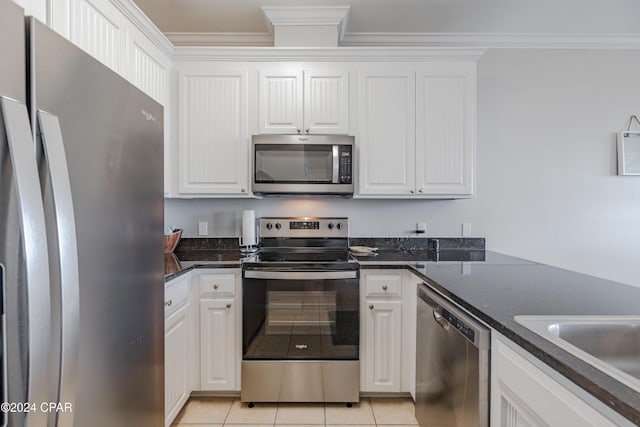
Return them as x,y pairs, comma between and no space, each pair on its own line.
383,328
523,395
387,338
220,330
217,344
177,346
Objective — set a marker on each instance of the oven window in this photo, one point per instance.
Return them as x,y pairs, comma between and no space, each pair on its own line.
293,164
300,319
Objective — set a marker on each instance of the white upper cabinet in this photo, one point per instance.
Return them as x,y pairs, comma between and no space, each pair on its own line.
98,28
213,130
292,100
326,101
148,69
126,42
445,118
281,101
37,8
417,130
386,137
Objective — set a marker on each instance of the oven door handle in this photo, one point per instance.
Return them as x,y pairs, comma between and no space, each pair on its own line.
300,275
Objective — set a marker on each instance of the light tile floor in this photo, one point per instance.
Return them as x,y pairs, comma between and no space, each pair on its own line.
230,412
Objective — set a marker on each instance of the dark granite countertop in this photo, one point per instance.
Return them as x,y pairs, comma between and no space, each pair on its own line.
182,261
495,288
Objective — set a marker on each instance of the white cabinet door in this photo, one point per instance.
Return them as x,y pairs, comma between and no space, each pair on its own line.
383,331
97,27
524,396
281,101
148,68
292,100
387,132
37,8
326,101
218,351
445,128
176,362
213,129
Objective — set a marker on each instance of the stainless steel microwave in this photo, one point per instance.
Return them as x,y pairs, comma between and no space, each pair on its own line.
303,164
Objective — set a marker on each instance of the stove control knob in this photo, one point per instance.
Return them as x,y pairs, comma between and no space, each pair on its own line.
278,226
330,226
269,226
339,226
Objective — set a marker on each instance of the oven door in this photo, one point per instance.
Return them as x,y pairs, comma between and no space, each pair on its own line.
300,315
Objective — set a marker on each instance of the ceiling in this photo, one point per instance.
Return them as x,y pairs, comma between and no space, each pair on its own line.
407,16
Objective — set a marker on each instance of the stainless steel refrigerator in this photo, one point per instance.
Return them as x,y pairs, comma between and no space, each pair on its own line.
81,258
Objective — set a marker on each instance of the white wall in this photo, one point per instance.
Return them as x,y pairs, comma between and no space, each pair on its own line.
547,188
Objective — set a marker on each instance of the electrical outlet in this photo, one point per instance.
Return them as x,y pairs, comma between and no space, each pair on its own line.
466,229
421,228
203,228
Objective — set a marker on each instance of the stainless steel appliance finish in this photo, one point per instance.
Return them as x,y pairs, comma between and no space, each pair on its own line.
610,343
84,306
303,164
300,381
452,365
301,314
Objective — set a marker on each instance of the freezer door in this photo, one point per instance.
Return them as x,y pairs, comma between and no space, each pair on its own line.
112,137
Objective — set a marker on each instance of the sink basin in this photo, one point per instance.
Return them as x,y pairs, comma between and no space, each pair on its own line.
610,343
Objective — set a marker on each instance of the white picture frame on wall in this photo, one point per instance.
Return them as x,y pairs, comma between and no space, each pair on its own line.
629,153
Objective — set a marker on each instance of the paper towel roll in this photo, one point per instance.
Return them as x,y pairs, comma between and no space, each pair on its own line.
249,228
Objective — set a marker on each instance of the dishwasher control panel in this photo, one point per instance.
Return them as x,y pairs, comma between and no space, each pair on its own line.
459,325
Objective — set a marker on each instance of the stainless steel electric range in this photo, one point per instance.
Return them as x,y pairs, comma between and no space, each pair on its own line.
300,331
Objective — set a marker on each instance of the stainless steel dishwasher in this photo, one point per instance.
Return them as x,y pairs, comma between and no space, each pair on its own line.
452,364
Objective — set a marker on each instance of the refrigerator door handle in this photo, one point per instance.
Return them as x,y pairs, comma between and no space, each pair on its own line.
52,141
36,263
3,350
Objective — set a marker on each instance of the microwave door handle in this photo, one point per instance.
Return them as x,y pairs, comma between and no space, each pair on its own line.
56,160
336,164
36,260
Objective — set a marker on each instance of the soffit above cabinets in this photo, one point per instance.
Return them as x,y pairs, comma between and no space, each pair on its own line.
410,22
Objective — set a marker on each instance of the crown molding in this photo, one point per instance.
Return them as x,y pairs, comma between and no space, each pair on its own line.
480,40
307,17
332,54
336,16
220,39
497,40
142,22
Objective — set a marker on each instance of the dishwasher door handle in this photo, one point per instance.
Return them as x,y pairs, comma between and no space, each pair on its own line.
441,320
447,315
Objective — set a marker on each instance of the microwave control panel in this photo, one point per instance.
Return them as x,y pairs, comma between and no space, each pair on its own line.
345,169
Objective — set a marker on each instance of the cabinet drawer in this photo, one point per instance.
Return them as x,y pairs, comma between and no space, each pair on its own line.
213,285
176,295
381,285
